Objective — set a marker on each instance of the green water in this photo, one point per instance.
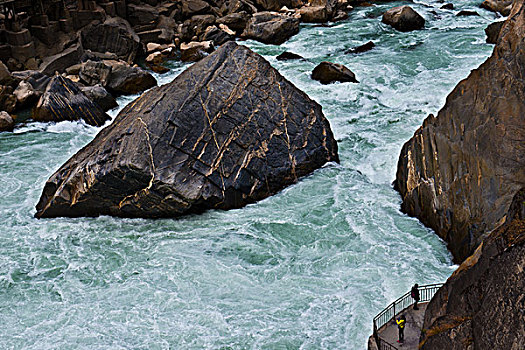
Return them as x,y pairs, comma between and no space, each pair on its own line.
305,269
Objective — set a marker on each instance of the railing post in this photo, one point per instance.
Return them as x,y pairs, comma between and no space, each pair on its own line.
394,314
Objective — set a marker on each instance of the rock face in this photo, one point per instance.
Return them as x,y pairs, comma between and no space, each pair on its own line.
114,35
328,72
460,171
482,304
492,31
403,18
271,28
63,100
228,131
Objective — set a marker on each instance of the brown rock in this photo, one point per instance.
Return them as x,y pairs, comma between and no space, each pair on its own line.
313,14
459,172
92,73
100,96
235,21
128,80
7,99
271,28
362,48
403,18
194,7
216,137
6,122
501,6
25,94
328,72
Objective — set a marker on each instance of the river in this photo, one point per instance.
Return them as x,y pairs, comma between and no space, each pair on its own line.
305,269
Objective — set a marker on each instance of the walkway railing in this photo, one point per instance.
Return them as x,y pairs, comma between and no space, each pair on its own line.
426,293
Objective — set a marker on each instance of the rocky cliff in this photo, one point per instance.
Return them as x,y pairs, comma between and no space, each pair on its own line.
461,169
228,131
482,305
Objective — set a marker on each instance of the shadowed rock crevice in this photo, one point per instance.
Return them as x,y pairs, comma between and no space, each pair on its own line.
228,131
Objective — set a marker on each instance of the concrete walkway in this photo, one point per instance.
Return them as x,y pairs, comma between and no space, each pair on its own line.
413,327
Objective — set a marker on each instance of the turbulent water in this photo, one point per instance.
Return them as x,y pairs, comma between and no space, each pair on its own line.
305,269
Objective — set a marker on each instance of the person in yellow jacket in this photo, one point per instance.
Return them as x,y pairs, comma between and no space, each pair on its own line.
401,322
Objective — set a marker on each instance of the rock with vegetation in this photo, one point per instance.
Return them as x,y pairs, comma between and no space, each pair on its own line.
403,18
63,100
482,304
461,169
228,131
328,72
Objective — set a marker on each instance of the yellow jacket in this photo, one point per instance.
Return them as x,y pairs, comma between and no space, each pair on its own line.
400,323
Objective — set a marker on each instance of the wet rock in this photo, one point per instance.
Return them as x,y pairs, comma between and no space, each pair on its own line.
313,14
362,48
285,56
228,131
271,28
481,305
38,81
499,6
142,15
448,6
115,35
25,95
7,122
467,13
460,170
63,100
403,18
328,72
100,96
195,50
128,80
492,31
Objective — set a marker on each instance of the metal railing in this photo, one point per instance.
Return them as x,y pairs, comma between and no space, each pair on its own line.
426,293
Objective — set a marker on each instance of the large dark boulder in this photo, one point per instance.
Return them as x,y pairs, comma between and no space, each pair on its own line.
492,31
63,100
115,35
228,131
461,169
125,79
100,96
235,21
403,18
328,72
271,28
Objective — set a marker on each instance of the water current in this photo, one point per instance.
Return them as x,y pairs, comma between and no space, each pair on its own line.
305,269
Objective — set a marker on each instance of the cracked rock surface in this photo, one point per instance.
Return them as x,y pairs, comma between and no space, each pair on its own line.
461,169
228,131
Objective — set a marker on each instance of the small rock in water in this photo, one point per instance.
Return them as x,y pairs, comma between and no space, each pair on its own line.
403,18
362,48
285,56
448,6
195,50
328,72
467,13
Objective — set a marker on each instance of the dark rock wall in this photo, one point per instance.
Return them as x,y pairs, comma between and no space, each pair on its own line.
228,131
461,169
482,305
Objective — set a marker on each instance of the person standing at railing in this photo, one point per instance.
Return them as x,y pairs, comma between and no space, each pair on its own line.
414,293
401,322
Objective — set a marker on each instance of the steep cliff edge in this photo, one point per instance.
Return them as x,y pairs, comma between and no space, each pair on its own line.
482,305
461,169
